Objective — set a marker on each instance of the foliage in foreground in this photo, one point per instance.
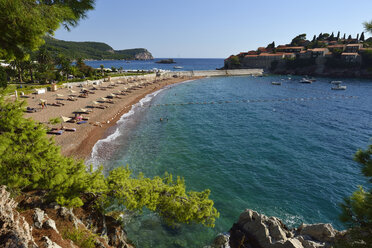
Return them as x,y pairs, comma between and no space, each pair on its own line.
24,23
81,238
31,161
357,209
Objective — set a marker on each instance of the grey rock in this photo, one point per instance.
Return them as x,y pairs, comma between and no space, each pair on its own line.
256,230
38,217
306,243
319,232
14,230
50,224
68,214
221,241
266,231
49,243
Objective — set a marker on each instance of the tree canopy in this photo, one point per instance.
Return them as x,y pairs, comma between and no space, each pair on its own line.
357,209
368,26
24,23
297,41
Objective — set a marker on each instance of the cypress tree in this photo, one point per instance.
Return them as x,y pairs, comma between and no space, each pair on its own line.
357,38
338,35
331,37
349,37
344,38
362,36
314,38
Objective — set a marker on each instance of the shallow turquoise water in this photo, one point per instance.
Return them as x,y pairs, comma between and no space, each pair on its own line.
288,158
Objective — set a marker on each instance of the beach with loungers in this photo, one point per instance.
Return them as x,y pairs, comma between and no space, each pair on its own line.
86,112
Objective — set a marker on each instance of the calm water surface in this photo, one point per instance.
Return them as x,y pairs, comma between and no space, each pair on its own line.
287,158
186,64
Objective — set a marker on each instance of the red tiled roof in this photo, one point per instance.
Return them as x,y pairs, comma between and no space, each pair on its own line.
319,49
335,46
289,47
250,56
349,54
271,54
353,45
252,53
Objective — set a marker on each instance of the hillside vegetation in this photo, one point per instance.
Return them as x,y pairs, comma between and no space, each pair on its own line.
93,50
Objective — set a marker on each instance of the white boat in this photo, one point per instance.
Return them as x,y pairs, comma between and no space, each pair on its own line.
177,67
276,83
306,81
338,85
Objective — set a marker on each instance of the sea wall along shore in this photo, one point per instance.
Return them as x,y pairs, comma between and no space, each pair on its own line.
170,74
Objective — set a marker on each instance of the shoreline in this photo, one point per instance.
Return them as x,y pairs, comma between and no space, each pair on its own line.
79,144
84,149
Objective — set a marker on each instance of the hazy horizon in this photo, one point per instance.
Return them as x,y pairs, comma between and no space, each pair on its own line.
213,29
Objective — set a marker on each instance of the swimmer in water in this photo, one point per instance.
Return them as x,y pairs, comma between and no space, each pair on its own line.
161,119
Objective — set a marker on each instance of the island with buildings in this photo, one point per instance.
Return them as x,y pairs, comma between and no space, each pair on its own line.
324,55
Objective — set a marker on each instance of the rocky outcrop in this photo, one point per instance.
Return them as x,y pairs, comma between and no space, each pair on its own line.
166,61
14,230
145,55
255,230
48,225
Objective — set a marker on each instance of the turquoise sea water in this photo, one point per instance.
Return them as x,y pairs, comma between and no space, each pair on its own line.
283,150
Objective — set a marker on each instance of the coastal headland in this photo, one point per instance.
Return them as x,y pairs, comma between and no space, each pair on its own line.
124,91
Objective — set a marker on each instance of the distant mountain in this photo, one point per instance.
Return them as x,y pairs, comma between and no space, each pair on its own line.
93,50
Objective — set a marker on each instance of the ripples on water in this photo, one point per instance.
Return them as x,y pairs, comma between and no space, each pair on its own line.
290,159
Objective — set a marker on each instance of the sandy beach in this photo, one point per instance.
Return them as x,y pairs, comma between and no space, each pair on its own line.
80,143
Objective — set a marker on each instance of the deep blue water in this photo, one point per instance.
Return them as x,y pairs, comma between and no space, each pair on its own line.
187,64
287,158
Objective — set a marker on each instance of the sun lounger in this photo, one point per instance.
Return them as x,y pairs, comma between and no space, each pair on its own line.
55,132
69,129
81,122
31,110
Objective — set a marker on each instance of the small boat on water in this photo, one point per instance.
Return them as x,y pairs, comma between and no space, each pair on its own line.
306,81
177,67
338,86
311,79
276,83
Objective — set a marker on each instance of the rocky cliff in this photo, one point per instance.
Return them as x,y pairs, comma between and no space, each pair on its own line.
145,55
254,230
32,224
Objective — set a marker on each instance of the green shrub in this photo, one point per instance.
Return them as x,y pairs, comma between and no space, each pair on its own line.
81,238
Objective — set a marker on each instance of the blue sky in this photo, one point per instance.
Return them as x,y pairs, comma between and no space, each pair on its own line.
214,29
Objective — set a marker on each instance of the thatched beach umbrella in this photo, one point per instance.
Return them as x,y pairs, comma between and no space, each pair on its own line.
65,119
72,93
